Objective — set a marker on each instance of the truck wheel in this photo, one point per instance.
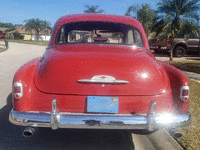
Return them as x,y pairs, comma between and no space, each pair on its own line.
179,51
157,51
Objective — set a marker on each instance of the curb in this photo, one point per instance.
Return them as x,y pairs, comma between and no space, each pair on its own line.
159,140
193,76
163,140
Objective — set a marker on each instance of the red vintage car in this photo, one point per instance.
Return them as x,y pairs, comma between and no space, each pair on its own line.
2,36
98,73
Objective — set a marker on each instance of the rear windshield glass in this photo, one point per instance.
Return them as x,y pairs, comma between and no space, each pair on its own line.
99,32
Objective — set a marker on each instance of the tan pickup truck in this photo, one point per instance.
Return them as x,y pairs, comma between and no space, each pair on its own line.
180,45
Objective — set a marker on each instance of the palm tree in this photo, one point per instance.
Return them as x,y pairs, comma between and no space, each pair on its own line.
145,15
177,16
37,25
93,9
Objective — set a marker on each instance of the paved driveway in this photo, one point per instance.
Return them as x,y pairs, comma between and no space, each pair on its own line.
11,60
187,57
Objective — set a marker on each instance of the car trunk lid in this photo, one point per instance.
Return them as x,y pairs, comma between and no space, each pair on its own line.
100,70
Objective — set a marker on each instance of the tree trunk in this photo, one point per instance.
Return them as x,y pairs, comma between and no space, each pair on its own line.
171,51
171,54
37,34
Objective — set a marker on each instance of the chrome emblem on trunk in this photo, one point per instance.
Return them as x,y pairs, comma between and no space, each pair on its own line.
103,79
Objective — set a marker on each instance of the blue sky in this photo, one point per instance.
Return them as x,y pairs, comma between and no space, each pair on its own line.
16,11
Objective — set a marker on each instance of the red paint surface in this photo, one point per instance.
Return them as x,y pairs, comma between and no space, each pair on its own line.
64,65
55,75
35,100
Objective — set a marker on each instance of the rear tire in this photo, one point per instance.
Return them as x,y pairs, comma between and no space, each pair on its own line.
179,51
157,51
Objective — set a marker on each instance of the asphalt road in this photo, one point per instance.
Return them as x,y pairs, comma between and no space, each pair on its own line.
11,135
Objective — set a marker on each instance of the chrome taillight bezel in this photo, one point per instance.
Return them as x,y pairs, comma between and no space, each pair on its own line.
183,97
20,94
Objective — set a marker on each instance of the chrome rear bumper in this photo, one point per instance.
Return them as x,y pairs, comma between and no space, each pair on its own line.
56,120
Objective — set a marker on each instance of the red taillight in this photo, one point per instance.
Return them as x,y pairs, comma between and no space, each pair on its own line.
17,90
16,96
185,99
166,42
184,93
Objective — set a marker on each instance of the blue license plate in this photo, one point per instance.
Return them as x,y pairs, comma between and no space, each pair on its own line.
102,104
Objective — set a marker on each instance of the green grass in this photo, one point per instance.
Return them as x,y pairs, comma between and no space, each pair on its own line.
187,65
42,43
191,133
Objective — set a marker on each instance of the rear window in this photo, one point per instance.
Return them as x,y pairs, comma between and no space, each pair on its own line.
99,33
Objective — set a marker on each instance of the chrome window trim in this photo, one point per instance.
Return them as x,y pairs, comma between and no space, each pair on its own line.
133,46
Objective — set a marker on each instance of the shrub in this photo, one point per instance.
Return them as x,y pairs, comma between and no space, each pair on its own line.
17,35
9,35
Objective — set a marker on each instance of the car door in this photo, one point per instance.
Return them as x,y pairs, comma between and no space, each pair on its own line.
193,43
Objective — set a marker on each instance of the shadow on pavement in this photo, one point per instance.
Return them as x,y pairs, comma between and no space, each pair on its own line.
45,138
160,55
1,50
198,58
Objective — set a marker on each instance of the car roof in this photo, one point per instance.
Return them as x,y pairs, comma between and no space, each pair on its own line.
97,17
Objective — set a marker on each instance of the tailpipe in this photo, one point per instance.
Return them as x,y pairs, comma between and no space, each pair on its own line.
175,133
28,132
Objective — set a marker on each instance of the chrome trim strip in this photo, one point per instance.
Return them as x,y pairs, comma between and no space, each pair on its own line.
98,81
133,46
103,79
87,121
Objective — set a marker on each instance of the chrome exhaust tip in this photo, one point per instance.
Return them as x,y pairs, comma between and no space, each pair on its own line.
175,133
28,132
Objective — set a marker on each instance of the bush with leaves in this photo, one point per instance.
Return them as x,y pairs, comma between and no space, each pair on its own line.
37,25
177,16
9,35
17,35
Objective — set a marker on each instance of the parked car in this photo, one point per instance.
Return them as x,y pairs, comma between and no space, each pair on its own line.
180,45
153,43
159,45
98,73
2,36
183,45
